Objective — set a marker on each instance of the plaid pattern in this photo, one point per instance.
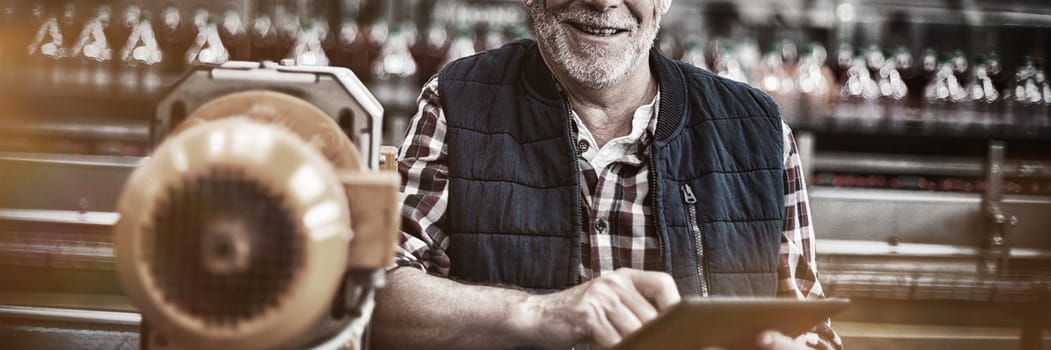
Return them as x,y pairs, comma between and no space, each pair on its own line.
619,222
614,186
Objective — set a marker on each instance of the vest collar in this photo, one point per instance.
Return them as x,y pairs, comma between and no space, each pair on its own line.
541,83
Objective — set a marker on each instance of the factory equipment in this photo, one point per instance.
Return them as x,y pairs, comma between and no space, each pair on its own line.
257,223
259,220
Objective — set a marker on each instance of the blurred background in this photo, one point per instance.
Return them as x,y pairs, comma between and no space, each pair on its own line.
924,126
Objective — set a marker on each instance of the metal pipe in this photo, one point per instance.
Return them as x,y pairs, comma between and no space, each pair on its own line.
924,165
92,128
74,159
70,315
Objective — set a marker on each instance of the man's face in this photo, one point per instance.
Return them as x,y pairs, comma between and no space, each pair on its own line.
597,43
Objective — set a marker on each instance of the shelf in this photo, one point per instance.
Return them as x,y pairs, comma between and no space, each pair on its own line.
916,123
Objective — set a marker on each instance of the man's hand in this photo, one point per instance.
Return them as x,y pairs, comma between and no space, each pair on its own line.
773,340
602,311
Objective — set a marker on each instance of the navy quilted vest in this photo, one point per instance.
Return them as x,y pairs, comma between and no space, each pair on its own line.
513,216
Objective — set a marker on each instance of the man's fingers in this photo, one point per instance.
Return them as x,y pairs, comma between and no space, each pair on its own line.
638,305
603,332
658,287
773,340
624,320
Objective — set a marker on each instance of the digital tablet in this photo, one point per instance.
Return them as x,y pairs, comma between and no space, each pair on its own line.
729,322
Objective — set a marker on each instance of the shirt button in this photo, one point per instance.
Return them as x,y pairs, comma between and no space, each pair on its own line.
600,225
582,146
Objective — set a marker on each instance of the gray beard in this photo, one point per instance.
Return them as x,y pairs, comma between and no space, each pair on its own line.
595,66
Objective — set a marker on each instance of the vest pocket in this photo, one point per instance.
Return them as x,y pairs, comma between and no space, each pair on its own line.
690,203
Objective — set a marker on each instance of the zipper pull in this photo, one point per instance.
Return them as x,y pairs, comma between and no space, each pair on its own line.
687,194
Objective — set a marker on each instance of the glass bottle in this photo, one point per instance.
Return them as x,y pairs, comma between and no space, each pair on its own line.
207,47
92,50
461,46
859,92
892,89
175,37
142,56
982,93
47,48
816,82
693,52
234,36
307,49
726,63
263,35
429,51
944,92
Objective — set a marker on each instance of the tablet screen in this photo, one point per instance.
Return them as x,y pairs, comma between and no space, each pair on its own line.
729,322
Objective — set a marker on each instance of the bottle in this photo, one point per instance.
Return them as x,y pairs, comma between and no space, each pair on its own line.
844,60
396,60
1023,94
461,46
693,52
396,75
429,51
47,48
1043,114
92,50
727,64
670,46
816,82
892,89
175,37
982,93
494,37
234,36
859,93
263,35
307,49
776,75
943,93
142,57
207,47
288,26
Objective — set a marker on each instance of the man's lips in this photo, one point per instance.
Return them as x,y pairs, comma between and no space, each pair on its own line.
597,30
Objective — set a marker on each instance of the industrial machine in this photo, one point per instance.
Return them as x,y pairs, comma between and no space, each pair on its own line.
257,222
260,219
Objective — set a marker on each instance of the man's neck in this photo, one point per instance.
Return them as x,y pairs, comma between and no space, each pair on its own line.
607,112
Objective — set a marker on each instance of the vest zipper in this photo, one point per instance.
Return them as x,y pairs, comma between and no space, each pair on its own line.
695,228
576,175
653,207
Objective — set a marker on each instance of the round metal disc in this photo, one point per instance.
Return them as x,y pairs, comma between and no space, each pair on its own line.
275,108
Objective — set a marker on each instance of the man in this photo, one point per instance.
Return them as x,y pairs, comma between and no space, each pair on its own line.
566,191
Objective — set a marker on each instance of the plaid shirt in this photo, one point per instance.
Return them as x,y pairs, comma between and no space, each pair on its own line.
614,186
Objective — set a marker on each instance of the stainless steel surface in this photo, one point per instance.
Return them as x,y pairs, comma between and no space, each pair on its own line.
56,250
900,336
73,159
63,182
899,164
60,216
999,222
923,217
92,128
70,315
877,248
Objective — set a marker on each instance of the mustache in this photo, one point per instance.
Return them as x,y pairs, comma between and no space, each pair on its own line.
580,13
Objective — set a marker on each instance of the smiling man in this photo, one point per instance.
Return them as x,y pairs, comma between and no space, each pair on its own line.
566,191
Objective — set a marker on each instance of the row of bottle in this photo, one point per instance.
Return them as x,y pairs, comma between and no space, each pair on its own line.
109,41
874,84
930,183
